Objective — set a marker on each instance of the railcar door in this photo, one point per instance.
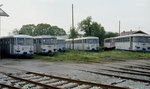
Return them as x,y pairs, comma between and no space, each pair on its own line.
38,46
112,43
11,45
131,43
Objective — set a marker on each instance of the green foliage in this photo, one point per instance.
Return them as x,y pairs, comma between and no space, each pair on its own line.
111,34
27,29
15,31
73,33
85,26
103,56
91,28
40,29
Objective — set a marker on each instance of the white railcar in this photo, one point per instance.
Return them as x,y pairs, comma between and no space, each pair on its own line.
109,43
45,44
61,44
134,42
84,43
68,43
17,45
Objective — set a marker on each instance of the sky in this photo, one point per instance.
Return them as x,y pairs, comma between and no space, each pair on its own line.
133,14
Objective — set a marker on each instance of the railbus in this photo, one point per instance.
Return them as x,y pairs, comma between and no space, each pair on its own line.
45,44
17,45
134,42
61,44
84,43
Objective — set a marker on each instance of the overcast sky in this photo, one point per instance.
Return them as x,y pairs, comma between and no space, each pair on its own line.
134,14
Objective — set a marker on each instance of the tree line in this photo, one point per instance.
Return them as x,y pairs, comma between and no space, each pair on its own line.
40,29
86,26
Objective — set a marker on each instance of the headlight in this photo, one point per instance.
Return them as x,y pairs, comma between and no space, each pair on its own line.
43,49
18,51
88,47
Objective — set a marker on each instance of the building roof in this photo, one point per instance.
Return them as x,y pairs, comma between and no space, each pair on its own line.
3,13
132,32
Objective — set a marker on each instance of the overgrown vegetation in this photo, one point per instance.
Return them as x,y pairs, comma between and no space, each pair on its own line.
102,56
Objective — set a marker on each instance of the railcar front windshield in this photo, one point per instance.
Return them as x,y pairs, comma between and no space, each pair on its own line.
20,41
24,41
49,41
143,39
90,41
61,41
28,41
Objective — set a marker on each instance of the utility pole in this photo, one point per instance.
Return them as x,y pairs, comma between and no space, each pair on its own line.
73,26
119,28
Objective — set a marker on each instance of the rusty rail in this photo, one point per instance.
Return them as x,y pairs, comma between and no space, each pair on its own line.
142,74
117,76
80,82
90,84
139,67
8,86
127,69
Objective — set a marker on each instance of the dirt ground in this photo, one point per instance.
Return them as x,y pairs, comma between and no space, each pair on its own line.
73,70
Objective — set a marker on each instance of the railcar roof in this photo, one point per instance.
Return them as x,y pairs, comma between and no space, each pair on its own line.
44,36
68,39
133,35
87,38
58,38
17,36
83,38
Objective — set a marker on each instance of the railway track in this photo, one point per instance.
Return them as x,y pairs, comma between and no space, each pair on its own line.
118,76
139,67
33,80
145,66
7,86
127,72
133,70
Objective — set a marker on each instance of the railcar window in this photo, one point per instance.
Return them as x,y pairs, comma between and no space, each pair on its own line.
53,40
39,41
84,41
95,41
48,41
92,41
20,41
60,41
34,41
28,41
12,41
142,39
107,41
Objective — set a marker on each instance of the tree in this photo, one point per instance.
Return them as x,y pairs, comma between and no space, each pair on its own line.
73,33
15,31
58,31
91,28
27,29
85,26
40,29
111,34
98,31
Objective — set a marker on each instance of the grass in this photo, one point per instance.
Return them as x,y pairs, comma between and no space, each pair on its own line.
102,56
